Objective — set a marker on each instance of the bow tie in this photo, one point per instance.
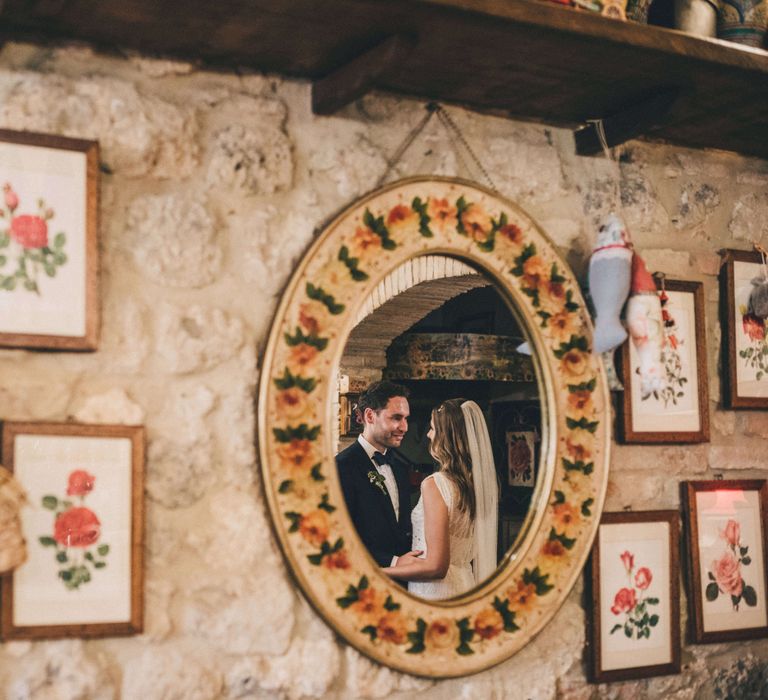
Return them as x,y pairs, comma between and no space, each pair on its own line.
379,458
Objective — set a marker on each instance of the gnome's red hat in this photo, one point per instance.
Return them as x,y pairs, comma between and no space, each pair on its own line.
642,282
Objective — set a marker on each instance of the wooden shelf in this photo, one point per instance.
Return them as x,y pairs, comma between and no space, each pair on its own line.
526,59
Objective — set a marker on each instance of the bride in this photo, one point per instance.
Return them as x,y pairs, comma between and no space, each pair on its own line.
455,520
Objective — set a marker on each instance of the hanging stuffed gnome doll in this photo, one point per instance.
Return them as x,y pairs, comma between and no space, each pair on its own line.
646,328
13,550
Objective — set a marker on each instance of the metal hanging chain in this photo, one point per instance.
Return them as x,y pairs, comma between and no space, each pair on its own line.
454,135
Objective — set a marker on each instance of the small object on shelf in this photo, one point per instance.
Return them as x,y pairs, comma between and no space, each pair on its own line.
697,17
637,10
743,21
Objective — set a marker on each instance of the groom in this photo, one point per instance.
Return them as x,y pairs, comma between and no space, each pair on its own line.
374,477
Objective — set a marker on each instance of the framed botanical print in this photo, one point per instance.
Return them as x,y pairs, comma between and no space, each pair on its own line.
727,579
745,347
634,629
678,413
84,527
521,461
48,242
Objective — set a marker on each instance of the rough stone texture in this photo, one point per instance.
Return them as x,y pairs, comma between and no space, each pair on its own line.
139,135
197,339
216,185
173,241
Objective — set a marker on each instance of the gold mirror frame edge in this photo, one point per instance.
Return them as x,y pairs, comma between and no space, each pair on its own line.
324,555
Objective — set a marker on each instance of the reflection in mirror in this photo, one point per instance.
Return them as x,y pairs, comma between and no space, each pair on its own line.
443,331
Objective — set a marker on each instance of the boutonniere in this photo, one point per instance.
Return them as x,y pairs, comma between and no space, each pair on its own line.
378,480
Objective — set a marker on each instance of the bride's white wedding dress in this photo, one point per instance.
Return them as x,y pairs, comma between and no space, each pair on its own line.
459,578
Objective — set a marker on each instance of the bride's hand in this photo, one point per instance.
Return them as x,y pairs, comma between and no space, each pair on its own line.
408,558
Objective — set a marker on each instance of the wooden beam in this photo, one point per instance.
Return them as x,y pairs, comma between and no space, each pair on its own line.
354,79
627,123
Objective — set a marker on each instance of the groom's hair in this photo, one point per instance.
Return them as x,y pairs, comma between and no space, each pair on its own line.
378,394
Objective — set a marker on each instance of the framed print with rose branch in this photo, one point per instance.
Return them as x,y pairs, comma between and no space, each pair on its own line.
745,346
634,630
678,413
84,530
727,578
48,242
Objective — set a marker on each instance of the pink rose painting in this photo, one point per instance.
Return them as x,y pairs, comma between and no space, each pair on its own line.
76,532
725,572
26,248
632,603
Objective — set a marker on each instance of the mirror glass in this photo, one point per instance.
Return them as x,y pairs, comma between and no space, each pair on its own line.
444,331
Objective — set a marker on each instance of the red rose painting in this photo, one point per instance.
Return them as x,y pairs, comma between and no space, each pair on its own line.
76,532
632,603
27,249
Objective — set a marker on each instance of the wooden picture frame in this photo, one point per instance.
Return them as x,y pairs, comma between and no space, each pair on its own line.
725,528
680,414
745,366
49,296
84,530
639,621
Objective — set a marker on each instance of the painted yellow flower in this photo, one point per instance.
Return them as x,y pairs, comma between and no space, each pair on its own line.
512,234
579,445
580,404
552,296
297,454
314,527
302,356
369,605
476,223
336,560
314,317
522,598
562,325
442,634
488,623
565,516
574,363
534,272
553,549
292,403
441,213
392,628
363,240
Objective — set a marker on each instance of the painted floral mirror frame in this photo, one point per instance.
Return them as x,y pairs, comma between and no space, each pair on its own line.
349,258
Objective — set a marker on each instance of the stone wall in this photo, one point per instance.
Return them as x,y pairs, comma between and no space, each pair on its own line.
211,187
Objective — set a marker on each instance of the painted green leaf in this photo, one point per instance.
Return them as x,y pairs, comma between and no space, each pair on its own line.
712,592
103,550
50,502
750,596
47,541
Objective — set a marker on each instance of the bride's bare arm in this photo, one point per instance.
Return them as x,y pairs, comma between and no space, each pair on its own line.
435,564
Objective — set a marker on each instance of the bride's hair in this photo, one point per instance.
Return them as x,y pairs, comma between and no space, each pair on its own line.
450,448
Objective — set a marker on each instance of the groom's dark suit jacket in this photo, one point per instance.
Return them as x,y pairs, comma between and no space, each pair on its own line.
371,509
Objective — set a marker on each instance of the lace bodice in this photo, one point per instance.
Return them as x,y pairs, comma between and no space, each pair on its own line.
460,529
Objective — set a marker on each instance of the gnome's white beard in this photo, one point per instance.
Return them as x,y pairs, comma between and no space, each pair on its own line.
647,331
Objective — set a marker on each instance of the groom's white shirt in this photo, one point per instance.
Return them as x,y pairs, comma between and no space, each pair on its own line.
386,471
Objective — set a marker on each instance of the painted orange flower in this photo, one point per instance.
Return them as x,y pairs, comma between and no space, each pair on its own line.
579,445
302,356
365,238
337,560
369,605
392,628
580,405
297,453
314,527
562,325
400,217
313,317
574,363
442,634
292,403
565,516
476,223
523,597
512,234
552,295
534,272
553,548
488,623
441,214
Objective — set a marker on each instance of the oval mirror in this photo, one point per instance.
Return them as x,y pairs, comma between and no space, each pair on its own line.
502,281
